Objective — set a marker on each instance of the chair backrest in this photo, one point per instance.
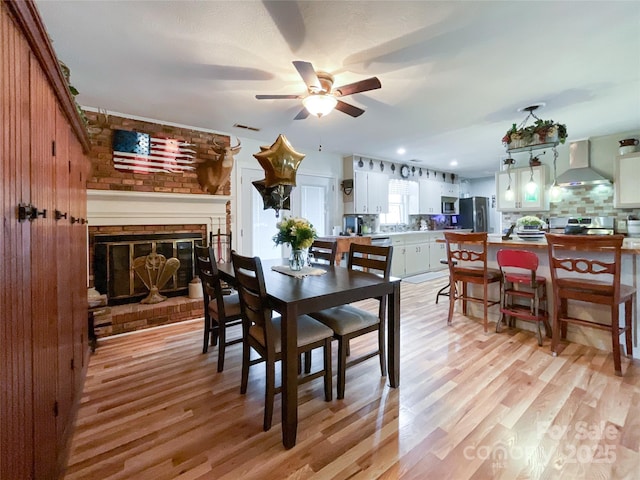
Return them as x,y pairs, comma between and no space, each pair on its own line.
253,295
209,277
221,244
371,258
518,260
323,251
469,250
601,268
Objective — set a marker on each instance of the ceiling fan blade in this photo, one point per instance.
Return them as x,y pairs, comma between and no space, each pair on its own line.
308,74
276,97
349,109
302,114
362,86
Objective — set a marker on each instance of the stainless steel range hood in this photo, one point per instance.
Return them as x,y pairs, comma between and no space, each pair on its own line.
579,173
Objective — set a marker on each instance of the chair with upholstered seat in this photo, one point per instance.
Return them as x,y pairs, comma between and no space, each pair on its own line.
521,281
220,311
467,258
262,333
323,251
587,268
348,322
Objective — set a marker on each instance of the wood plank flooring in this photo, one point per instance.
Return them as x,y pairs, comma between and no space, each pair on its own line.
470,406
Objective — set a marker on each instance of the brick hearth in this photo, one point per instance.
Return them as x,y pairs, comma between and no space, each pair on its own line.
136,316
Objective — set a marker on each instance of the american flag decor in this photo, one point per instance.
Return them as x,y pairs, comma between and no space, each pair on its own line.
141,153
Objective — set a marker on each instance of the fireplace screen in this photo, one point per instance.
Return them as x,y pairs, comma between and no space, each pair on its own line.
113,263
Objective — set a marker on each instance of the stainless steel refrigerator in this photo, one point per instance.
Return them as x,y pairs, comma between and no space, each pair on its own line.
474,214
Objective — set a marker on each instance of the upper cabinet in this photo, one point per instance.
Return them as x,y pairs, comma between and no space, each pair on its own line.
625,186
430,193
370,190
451,190
522,199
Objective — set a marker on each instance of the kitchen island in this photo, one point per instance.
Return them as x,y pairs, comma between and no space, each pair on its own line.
577,334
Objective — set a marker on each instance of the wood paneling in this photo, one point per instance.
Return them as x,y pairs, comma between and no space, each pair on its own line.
16,421
470,405
43,268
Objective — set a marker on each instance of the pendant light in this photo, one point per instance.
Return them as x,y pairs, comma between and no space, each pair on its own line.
555,193
509,194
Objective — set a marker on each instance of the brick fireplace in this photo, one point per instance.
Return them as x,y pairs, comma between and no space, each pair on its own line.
135,216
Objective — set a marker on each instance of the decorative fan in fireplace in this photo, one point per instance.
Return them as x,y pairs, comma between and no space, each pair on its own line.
155,271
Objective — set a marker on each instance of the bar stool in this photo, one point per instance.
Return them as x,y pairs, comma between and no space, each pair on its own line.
519,280
469,251
446,290
595,279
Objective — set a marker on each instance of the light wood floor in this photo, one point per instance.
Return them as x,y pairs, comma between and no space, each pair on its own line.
469,405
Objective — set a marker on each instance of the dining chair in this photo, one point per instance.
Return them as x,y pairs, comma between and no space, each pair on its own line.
220,311
262,333
521,281
323,251
587,268
467,258
348,321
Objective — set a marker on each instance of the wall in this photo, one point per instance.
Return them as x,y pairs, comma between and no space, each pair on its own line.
105,177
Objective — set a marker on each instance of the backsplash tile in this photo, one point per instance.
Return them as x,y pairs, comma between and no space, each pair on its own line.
594,201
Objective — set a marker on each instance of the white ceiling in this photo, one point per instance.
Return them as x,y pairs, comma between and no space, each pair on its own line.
453,74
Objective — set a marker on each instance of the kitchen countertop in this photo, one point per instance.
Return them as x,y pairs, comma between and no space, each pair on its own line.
630,245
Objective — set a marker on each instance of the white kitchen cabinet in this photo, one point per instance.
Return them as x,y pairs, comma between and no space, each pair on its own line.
451,190
522,199
437,251
626,193
416,258
415,253
430,193
370,192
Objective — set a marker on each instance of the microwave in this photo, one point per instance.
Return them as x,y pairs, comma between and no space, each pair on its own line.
449,207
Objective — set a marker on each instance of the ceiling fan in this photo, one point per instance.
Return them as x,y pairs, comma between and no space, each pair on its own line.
321,97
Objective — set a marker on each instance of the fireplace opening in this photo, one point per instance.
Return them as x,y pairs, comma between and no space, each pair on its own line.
113,263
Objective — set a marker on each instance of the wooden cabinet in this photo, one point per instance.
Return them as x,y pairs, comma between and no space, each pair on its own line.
370,192
522,200
43,338
430,197
626,193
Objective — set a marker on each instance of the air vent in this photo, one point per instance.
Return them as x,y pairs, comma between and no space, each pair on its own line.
246,127
415,160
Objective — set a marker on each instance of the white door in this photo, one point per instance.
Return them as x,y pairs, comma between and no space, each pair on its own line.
311,199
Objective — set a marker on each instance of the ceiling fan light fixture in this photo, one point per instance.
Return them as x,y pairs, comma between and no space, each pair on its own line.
319,104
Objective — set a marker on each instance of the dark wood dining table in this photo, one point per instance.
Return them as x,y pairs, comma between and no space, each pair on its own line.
292,296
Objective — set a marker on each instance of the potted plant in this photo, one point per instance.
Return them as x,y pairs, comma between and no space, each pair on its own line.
530,222
299,234
542,131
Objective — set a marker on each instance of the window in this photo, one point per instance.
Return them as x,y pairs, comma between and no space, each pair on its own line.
403,201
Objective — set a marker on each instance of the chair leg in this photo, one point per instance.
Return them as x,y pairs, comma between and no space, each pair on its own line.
453,293
222,333
269,393
443,292
246,357
564,310
207,330
486,308
342,366
382,349
628,318
555,335
615,338
307,361
328,373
